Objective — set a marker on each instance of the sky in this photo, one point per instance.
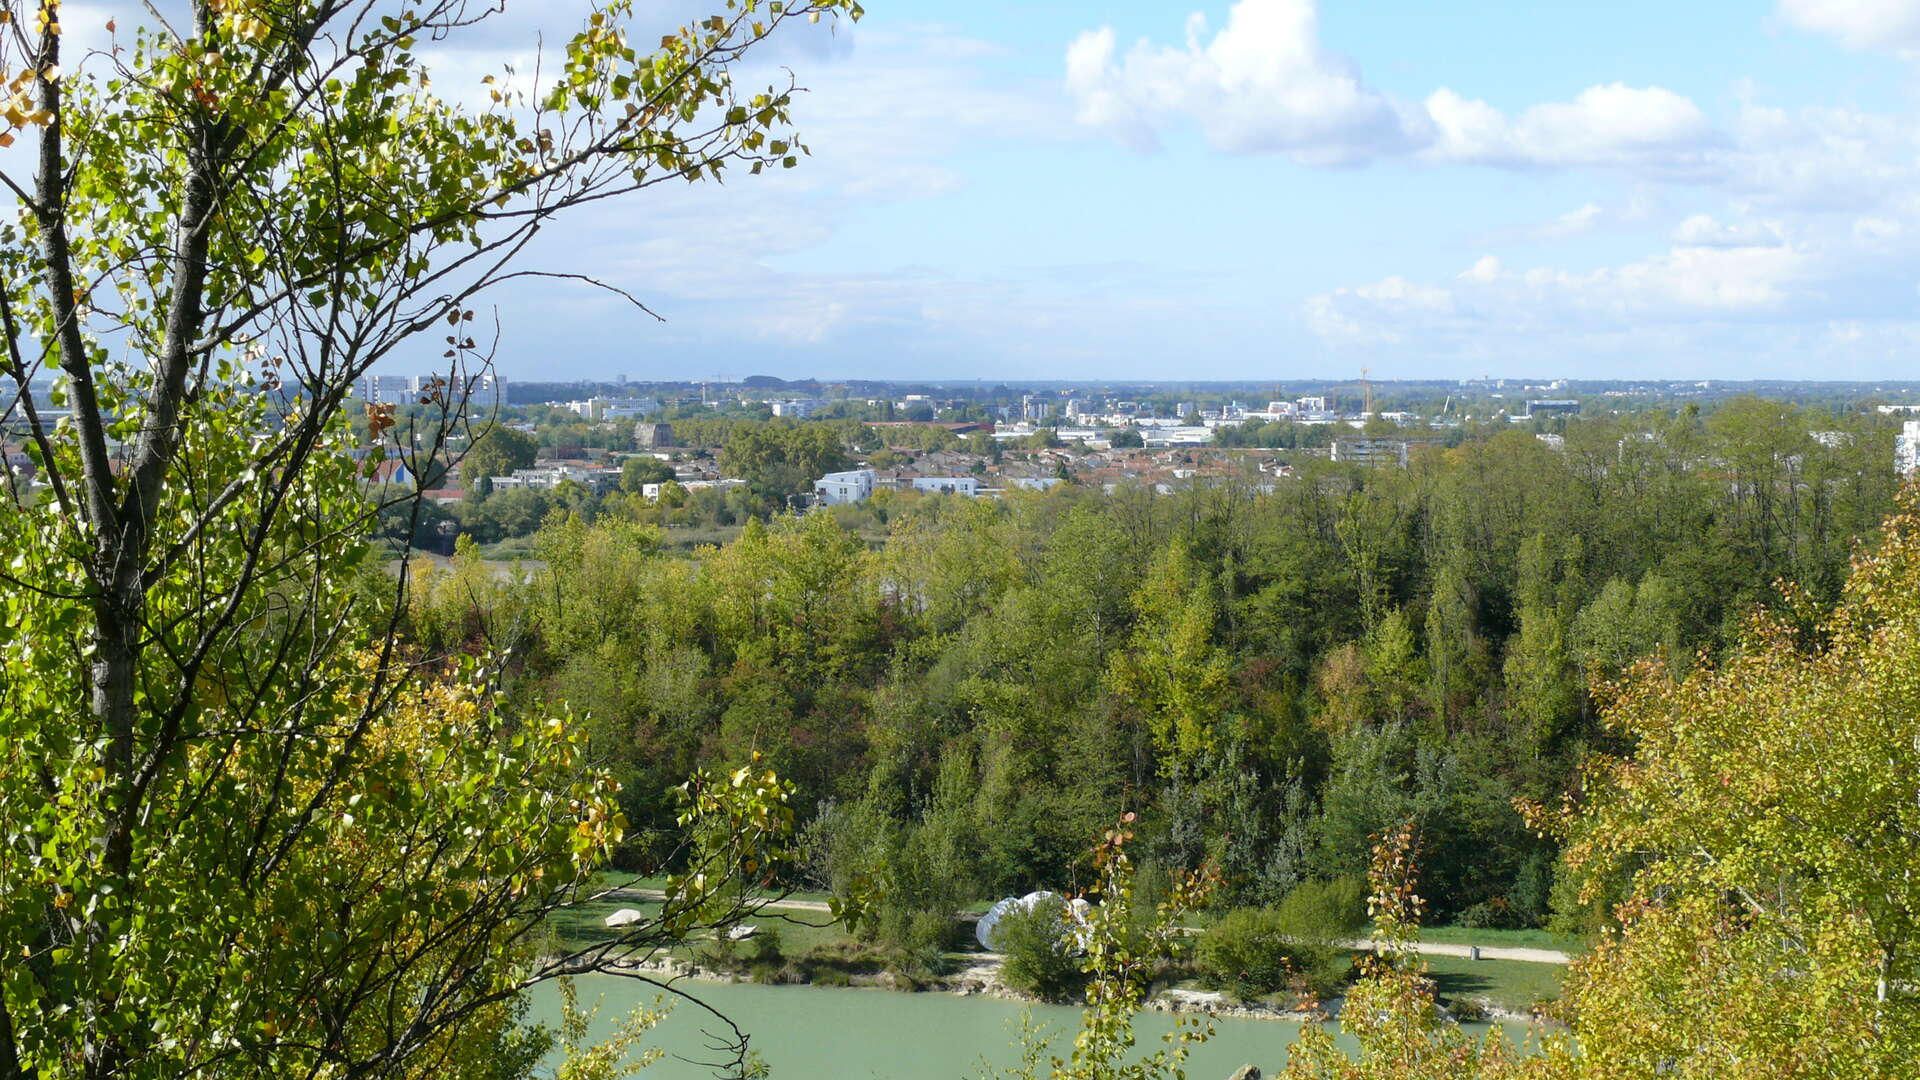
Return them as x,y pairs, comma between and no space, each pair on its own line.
1278,189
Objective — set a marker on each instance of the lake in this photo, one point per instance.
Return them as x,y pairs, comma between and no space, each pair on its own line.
814,1033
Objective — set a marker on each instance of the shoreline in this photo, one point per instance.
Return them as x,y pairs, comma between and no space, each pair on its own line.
981,980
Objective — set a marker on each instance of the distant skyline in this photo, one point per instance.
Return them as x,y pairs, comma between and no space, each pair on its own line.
1278,189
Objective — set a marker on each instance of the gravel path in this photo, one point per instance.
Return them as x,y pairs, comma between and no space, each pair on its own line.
1487,952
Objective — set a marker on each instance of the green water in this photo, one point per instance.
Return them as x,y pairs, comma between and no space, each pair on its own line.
809,1033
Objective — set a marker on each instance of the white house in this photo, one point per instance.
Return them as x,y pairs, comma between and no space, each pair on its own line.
947,485
843,487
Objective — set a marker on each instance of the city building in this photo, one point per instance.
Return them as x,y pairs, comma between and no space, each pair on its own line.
649,436
605,408
834,489
945,485
482,389
550,476
798,408
1371,452
1553,407
1906,448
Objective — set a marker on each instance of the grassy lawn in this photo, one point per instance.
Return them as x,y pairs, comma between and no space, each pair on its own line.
1510,984
585,923
610,879
1508,939
508,550
684,538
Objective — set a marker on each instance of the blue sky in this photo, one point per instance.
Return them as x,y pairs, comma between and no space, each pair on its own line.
1276,189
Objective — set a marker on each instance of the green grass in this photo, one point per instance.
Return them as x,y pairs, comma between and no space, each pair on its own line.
1506,939
584,924
609,879
508,550
684,538
1510,984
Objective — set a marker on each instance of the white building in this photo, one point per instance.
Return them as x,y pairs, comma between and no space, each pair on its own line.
946,485
1371,452
548,477
482,389
1906,449
606,408
837,488
798,408
1176,436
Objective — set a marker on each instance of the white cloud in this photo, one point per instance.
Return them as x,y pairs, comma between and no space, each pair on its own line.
1573,222
1704,230
1892,25
1684,285
1262,83
1614,124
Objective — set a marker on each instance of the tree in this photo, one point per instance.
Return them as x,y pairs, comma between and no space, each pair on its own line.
782,458
497,452
640,470
223,849
1768,825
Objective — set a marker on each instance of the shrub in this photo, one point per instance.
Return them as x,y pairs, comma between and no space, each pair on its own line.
917,945
1246,953
1299,944
1039,959
1327,911
1494,914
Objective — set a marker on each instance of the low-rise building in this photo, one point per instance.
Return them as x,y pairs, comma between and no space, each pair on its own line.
797,408
546,477
946,485
852,486
605,408
1371,452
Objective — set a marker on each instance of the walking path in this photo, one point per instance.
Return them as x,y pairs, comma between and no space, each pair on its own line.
1487,952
